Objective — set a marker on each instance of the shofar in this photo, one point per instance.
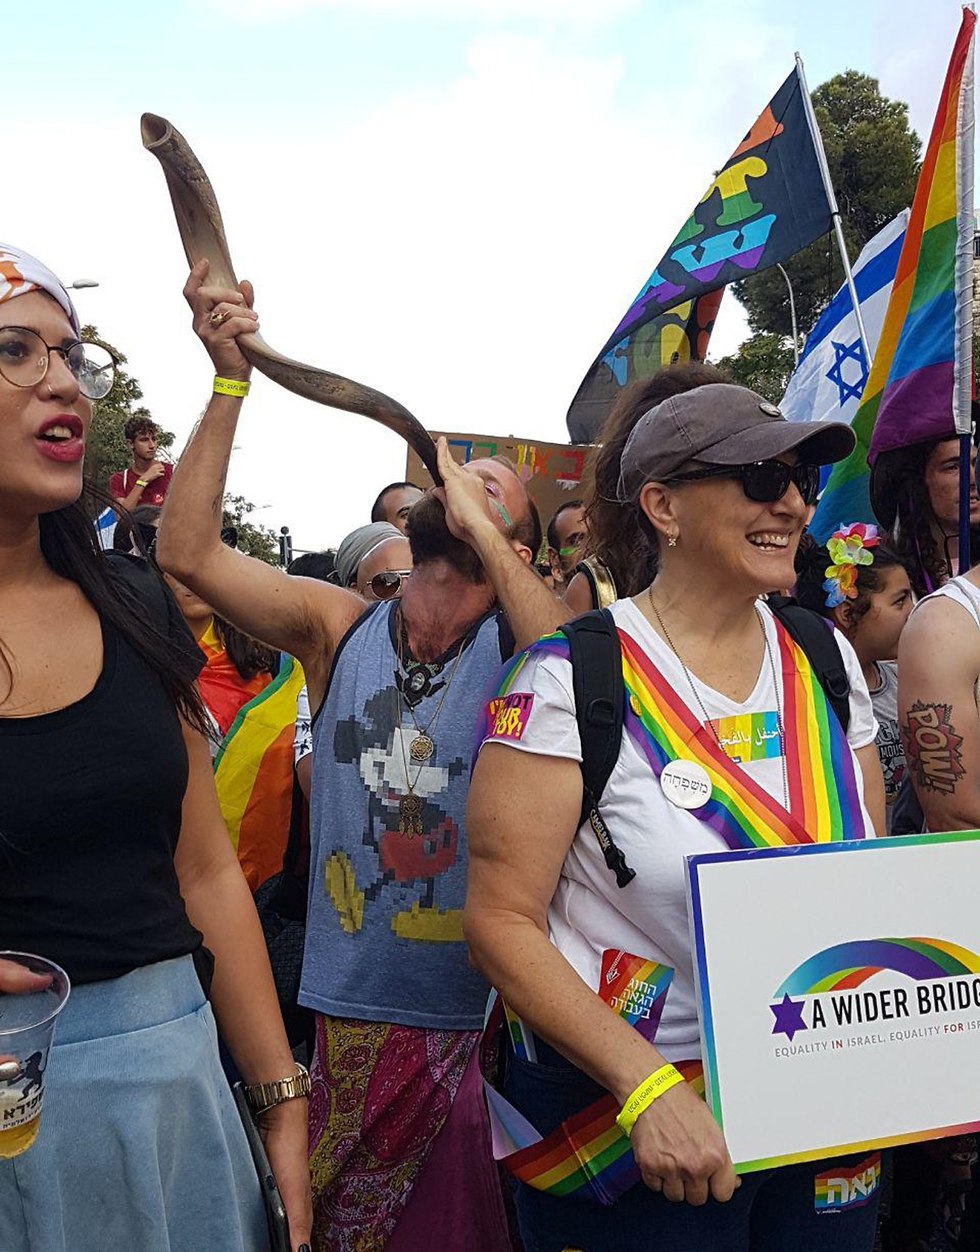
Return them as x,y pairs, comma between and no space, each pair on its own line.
203,236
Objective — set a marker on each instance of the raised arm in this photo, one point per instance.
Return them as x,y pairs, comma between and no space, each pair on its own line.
302,616
938,667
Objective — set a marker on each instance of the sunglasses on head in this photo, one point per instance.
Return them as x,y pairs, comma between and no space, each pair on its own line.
388,583
765,482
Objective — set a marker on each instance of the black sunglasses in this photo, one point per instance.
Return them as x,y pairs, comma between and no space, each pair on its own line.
765,482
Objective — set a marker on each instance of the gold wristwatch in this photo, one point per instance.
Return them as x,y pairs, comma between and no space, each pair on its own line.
262,1096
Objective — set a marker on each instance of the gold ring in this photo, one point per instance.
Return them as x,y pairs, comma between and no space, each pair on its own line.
217,317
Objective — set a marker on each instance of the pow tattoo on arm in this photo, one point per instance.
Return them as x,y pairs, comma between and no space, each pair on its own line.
933,749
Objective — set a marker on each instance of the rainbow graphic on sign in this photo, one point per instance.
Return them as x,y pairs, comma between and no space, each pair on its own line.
847,965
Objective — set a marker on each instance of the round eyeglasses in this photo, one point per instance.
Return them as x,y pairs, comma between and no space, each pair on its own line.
25,358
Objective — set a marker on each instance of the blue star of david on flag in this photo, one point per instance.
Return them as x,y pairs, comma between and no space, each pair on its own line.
846,389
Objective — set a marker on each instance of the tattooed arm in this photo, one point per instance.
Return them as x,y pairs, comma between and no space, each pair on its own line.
938,667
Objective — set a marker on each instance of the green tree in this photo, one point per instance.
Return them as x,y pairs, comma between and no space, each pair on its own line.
257,541
763,362
105,448
873,157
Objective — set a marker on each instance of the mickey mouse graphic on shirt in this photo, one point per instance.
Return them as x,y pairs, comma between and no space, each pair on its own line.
408,865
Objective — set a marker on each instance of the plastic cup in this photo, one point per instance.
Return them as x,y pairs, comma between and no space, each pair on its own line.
27,1022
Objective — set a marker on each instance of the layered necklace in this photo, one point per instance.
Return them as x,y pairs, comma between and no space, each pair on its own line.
706,721
410,690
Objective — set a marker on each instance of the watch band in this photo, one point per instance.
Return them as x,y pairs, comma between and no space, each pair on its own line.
262,1096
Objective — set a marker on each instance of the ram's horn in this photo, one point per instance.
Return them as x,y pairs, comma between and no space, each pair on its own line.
203,236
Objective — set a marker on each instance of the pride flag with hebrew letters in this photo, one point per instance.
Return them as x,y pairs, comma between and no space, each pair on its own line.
766,204
920,382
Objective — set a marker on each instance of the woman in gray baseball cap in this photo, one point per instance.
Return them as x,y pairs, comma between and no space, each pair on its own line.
713,755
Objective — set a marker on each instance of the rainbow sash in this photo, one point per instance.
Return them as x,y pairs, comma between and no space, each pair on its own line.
588,1156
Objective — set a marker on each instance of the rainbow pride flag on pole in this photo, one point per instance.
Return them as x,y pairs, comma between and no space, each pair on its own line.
920,383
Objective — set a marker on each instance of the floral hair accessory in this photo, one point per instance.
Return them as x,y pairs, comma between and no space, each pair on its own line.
848,548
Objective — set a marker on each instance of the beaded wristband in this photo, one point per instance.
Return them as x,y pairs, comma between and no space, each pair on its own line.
231,387
650,1089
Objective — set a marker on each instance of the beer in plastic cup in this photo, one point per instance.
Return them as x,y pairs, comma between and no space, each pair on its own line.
27,1024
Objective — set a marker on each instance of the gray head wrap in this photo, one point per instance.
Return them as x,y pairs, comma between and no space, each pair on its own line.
359,544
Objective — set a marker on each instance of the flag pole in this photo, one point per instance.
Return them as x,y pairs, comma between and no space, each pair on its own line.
963,354
834,210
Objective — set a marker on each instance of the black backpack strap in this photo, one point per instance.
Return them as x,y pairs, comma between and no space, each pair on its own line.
815,636
597,684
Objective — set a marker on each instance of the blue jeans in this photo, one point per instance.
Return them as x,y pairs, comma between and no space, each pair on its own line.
772,1211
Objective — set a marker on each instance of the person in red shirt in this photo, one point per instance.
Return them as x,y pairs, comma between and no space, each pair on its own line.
147,480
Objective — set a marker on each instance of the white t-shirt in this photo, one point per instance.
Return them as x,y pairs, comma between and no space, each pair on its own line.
589,914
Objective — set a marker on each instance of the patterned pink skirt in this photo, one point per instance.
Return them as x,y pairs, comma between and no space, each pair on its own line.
400,1153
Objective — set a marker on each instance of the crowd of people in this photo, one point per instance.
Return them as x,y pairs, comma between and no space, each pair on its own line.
241,807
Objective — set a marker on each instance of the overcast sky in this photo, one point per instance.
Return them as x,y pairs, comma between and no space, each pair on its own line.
451,200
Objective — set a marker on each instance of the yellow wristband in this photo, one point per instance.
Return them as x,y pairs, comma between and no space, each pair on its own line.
650,1089
141,482
231,387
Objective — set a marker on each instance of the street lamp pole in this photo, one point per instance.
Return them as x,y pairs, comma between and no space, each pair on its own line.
792,314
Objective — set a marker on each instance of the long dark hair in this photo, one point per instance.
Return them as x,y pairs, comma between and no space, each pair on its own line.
620,534
900,499
247,655
70,545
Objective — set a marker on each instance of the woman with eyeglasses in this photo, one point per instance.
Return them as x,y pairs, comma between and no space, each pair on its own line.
114,860
721,486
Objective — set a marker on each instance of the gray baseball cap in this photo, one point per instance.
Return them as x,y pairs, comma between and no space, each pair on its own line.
721,424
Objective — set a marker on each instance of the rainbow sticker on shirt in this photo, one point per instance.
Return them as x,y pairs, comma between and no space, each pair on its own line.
847,1187
749,736
635,988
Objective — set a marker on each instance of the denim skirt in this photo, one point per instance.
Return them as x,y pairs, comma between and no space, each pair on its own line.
140,1144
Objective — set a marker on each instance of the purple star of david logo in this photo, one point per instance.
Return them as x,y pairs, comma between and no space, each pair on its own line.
789,1017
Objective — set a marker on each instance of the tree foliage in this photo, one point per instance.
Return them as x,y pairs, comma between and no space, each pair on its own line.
257,541
873,157
763,362
105,447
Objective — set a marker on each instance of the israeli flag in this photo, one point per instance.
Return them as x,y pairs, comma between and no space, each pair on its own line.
105,526
829,380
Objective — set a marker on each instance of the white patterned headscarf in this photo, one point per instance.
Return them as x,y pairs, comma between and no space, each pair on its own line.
21,273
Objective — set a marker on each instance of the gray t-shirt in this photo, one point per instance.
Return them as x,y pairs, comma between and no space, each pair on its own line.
884,701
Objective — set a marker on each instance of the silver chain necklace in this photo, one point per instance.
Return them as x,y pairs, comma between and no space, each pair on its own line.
706,722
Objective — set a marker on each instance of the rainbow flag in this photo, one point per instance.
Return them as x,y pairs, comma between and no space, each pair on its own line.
766,203
920,384
253,774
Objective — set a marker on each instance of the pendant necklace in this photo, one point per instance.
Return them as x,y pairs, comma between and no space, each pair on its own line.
422,747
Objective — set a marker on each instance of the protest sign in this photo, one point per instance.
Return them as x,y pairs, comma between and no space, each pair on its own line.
839,994
551,472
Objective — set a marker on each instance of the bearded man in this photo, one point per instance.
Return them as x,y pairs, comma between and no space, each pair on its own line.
400,1146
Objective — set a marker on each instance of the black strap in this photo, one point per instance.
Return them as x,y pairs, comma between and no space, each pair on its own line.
815,636
597,684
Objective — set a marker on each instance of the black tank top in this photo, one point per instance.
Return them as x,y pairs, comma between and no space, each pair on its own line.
90,812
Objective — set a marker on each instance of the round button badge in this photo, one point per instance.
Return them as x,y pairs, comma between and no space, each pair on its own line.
686,784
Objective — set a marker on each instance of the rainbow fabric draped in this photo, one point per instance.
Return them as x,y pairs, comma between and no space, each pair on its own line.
588,1156
920,382
253,774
